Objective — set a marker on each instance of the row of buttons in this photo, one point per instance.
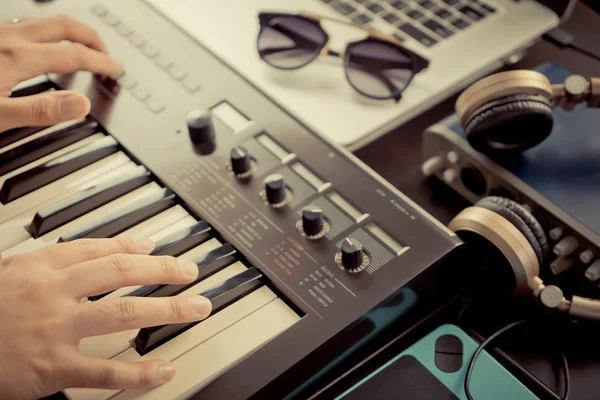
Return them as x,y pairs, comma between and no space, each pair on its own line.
152,52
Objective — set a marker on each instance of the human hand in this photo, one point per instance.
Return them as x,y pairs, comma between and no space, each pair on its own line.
31,48
43,319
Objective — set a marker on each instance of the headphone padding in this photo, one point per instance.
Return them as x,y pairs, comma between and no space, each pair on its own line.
526,119
528,218
514,218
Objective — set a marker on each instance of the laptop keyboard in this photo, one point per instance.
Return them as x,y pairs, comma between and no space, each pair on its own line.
427,21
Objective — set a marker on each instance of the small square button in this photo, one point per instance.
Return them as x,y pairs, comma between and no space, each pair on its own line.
126,81
141,93
155,105
150,50
99,10
111,19
163,61
191,84
137,40
177,73
124,30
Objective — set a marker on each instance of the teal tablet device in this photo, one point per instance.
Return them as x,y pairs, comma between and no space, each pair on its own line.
435,368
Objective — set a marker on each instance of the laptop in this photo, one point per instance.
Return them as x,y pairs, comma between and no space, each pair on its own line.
479,37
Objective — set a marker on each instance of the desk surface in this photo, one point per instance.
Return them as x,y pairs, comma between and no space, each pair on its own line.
397,157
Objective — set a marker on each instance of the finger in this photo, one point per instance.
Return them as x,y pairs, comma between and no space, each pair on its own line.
63,255
126,313
84,372
42,109
103,275
57,29
37,59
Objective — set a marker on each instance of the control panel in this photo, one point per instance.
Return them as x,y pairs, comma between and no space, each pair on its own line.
575,247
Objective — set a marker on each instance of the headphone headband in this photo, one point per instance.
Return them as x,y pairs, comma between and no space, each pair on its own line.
576,89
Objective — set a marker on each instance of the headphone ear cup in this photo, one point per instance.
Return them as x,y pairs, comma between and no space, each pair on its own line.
510,124
528,218
499,207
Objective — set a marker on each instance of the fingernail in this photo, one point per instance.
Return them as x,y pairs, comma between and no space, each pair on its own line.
189,268
144,244
200,305
166,372
74,106
118,74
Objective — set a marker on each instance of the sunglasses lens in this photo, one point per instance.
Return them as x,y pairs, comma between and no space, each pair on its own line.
378,69
290,42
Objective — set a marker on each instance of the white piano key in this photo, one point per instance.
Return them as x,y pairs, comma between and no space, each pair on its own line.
16,228
221,276
63,187
196,251
188,340
52,237
157,227
205,247
156,223
206,362
54,155
171,229
41,133
113,344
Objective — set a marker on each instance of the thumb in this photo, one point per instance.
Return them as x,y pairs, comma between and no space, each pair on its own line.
42,109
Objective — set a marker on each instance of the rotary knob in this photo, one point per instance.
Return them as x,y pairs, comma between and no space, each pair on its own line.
200,127
241,162
352,257
352,254
313,221
275,190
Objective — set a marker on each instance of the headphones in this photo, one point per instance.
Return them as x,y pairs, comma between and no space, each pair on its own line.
507,113
515,244
510,112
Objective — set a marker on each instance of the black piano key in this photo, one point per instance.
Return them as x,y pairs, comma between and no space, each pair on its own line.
81,203
208,264
124,218
44,174
33,86
222,296
179,242
26,153
14,135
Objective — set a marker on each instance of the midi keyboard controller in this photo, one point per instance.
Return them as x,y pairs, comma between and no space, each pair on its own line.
297,241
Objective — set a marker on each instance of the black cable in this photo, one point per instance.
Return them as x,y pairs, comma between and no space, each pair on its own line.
532,382
508,327
563,39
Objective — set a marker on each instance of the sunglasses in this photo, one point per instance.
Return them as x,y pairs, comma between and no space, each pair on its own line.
378,66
